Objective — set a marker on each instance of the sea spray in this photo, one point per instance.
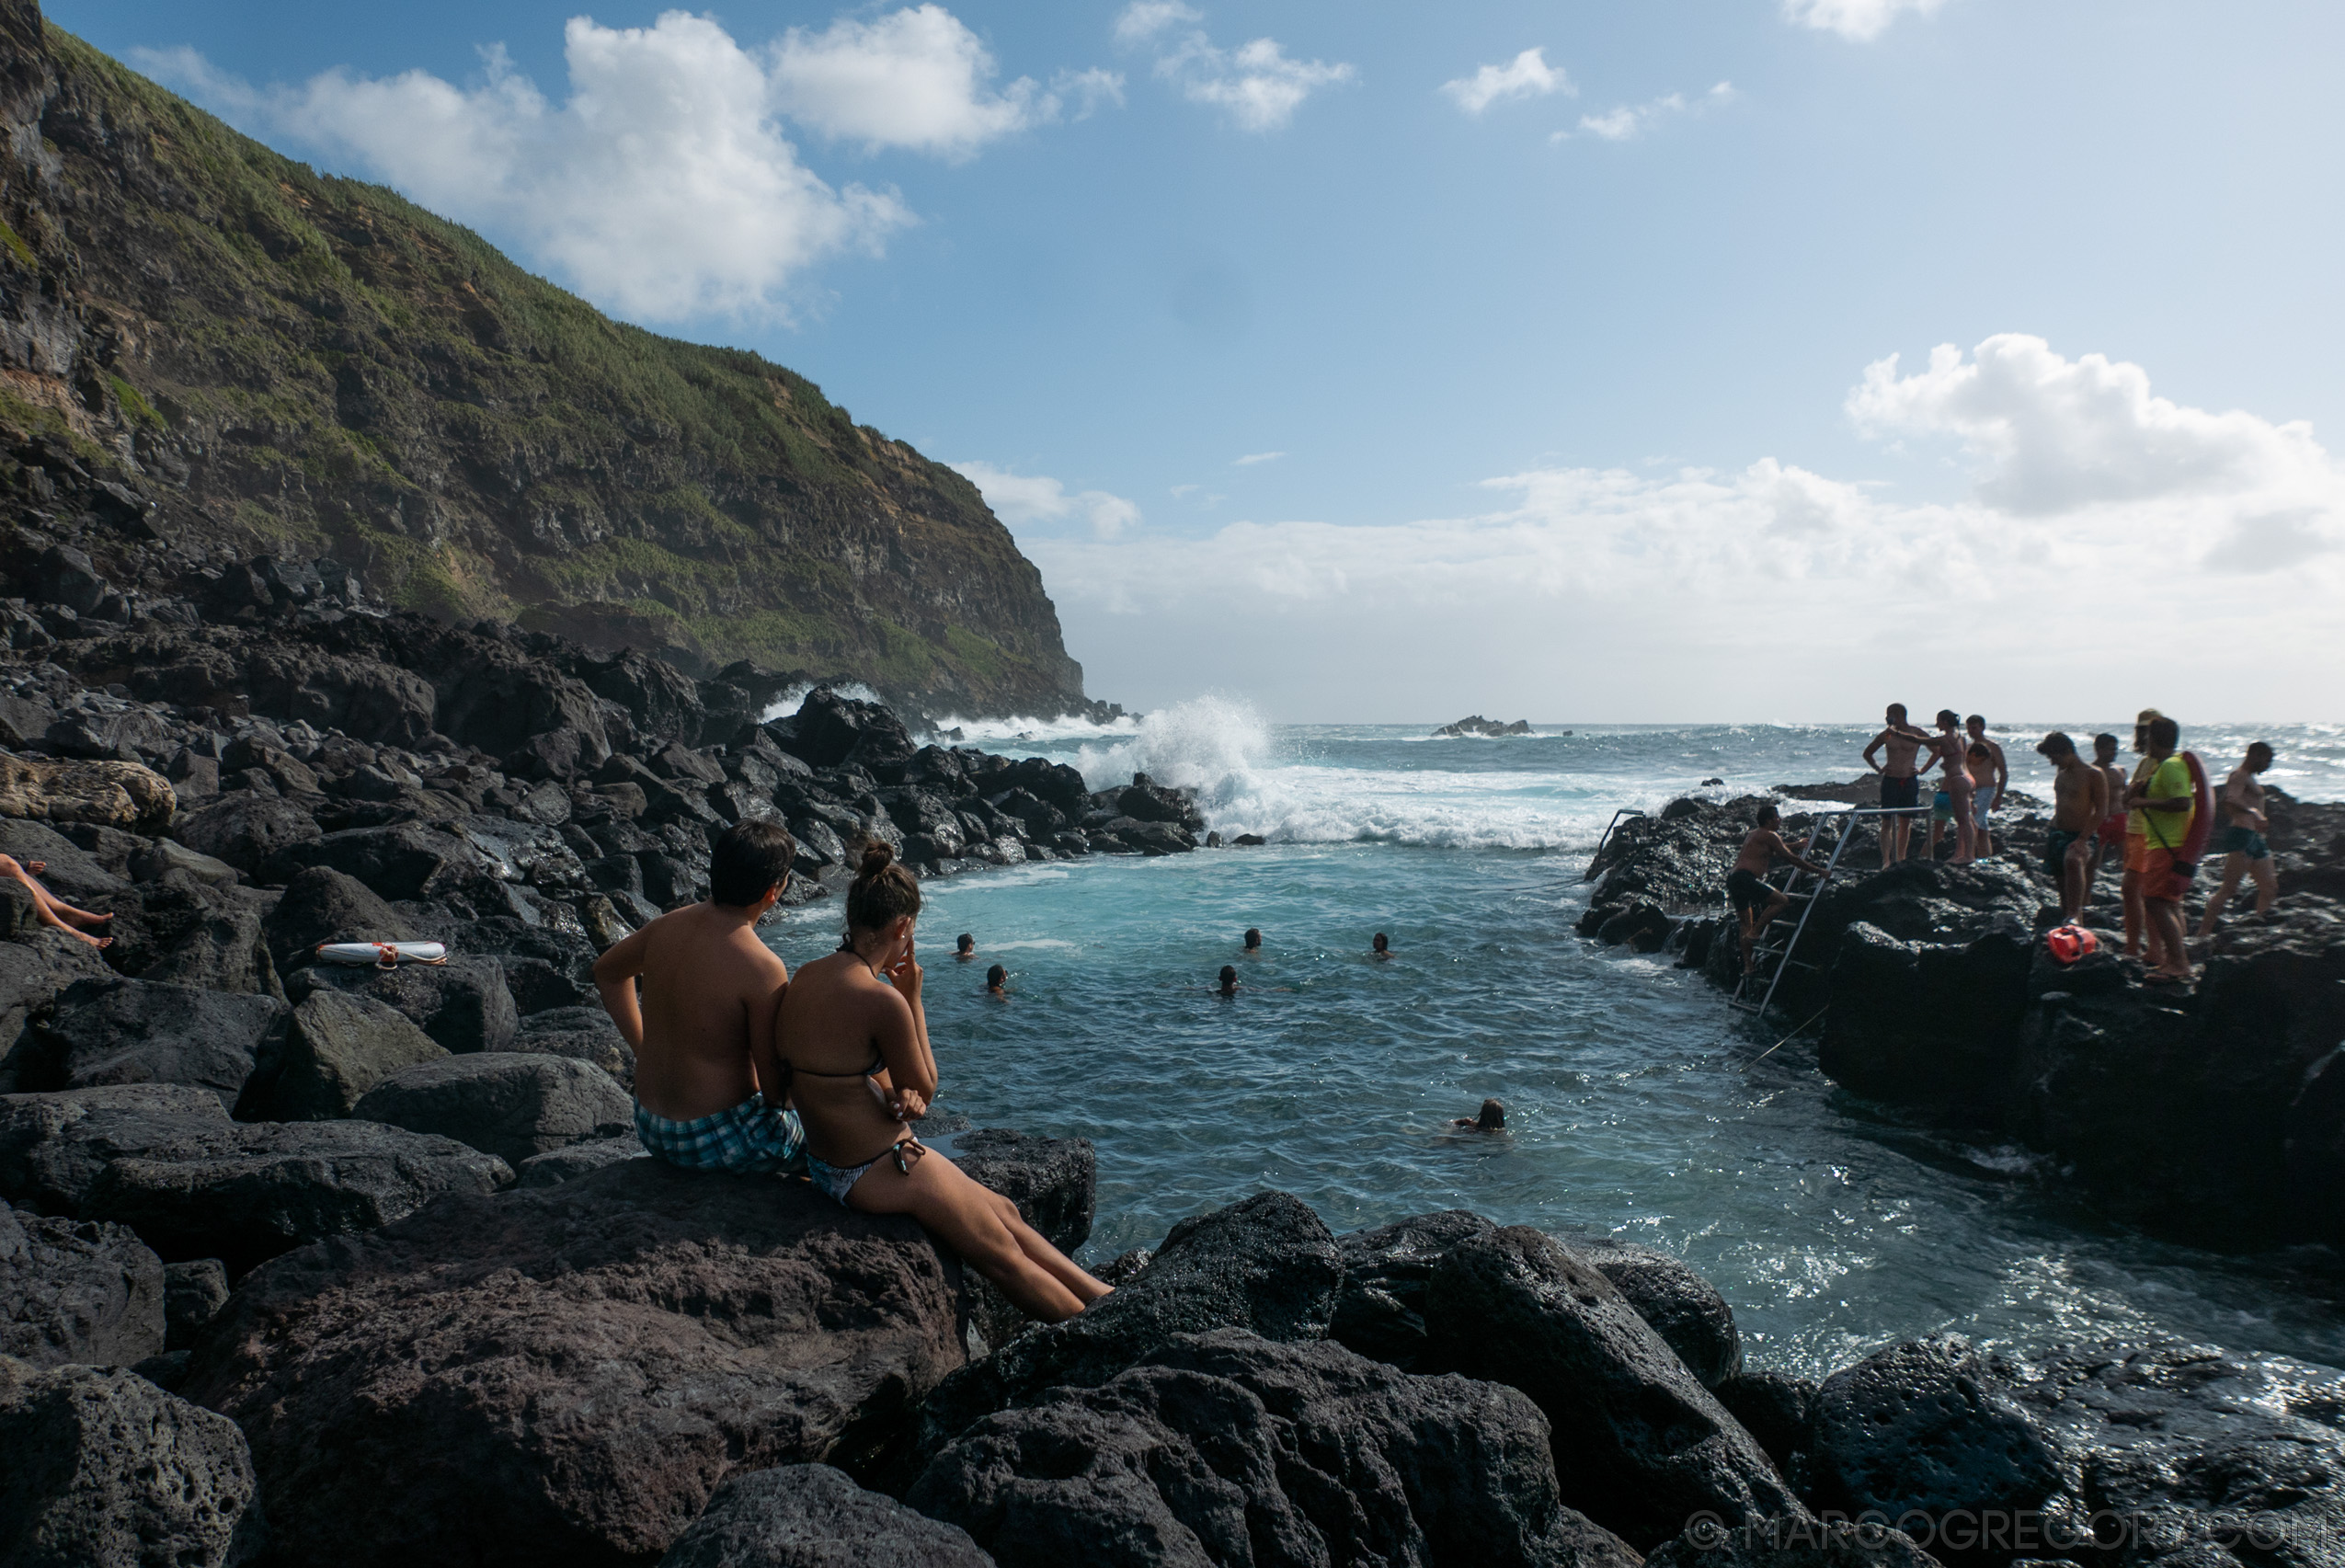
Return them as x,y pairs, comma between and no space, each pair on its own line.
791,701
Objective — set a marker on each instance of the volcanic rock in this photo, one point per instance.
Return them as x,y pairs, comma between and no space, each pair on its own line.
123,1031
463,1004
71,1292
107,1470
246,831
114,793
575,1160
815,1517
1381,1310
335,1049
502,1103
564,1376
1224,1448
1924,1427
1641,1445
1267,1263
1675,1301
193,1294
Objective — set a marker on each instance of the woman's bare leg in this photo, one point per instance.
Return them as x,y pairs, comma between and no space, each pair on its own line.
53,911
964,1216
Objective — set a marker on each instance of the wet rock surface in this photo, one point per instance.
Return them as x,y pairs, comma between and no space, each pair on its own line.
2214,1112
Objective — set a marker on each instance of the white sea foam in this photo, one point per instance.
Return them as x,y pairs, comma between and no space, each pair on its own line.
794,699
994,734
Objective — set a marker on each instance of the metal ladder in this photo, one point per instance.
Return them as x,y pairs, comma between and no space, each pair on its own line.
1783,938
1589,876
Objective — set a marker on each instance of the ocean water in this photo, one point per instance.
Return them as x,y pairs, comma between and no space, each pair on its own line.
1640,1107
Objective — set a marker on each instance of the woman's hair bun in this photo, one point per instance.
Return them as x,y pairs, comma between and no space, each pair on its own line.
877,857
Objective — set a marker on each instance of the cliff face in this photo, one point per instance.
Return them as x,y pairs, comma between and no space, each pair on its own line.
307,366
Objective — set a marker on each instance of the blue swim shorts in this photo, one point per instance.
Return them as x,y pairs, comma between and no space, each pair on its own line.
2245,841
752,1138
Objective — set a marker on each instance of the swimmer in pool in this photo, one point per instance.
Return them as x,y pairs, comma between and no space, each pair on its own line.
1492,1118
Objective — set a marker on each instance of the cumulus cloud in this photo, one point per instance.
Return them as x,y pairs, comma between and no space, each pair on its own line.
1255,85
1862,20
1023,500
1631,120
915,78
2054,435
1526,75
2103,516
663,187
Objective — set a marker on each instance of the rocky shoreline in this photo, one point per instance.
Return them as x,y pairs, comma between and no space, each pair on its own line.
2213,1114
303,1265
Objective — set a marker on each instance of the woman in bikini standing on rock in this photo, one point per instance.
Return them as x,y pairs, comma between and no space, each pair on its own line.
850,1044
1952,747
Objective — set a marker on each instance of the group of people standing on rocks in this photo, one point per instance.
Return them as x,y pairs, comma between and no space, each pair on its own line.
1972,778
2097,813
2097,808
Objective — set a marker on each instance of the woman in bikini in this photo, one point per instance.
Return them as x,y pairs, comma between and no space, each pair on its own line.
850,1044
1952,748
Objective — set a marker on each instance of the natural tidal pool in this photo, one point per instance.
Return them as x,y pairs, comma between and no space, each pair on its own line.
1637,1108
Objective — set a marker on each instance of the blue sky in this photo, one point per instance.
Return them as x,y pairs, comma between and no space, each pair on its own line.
1558,390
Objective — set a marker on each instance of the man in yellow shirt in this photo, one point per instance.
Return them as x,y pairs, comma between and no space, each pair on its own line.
2163,800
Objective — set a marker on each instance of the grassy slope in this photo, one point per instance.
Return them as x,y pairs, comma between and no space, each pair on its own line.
332,369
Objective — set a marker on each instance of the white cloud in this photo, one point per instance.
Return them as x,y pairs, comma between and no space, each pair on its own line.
1253,457
2109,529
1862,20
2055,435
1526,75
1091,90
1022,500
1631,120
663,188
915,78
1255,85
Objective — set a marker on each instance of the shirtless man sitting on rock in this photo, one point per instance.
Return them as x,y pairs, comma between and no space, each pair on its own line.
1901,781
706,1097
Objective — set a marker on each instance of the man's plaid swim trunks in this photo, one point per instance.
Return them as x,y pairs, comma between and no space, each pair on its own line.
752,1137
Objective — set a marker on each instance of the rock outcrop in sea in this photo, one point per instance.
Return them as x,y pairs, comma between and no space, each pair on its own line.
2215,1113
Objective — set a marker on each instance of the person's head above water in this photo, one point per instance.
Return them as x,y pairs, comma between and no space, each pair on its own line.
1254,939
1380,943
965,944
1492,1117
1229,978
749,865
996,978
882,893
